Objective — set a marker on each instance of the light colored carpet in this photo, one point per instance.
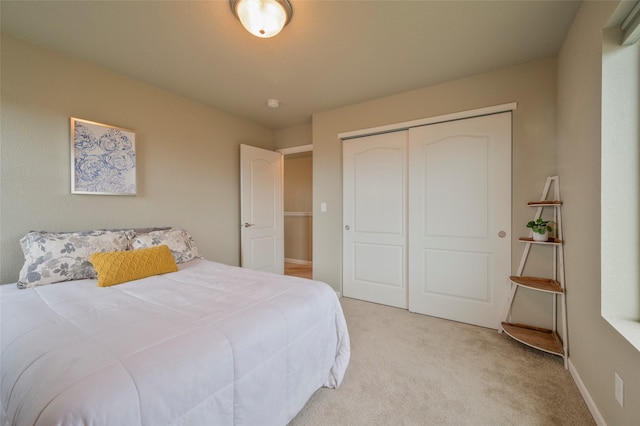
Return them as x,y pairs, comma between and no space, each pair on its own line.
411,369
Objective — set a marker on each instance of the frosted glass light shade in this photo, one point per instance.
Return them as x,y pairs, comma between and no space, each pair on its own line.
262,18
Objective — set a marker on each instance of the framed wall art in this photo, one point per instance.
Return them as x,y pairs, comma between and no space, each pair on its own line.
103,159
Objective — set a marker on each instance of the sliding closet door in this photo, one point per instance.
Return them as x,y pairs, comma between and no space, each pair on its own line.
374,220
460,219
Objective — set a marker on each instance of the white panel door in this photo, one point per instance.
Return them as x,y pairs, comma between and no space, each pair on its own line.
261,209
374,221
460,219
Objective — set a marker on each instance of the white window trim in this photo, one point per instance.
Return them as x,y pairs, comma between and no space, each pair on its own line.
620,186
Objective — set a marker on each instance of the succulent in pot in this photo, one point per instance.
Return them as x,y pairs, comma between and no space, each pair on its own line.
540,228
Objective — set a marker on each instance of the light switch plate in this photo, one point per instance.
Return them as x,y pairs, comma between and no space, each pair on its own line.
619,389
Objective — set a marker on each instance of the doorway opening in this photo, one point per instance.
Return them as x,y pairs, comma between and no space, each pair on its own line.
298,216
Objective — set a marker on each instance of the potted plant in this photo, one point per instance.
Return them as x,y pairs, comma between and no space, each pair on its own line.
540,228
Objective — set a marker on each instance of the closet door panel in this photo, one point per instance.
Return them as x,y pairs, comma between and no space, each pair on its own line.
379,190
374,218
455,183
449,273
459,201
378,264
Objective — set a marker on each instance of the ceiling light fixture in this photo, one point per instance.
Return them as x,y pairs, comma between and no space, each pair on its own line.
273,103
262,18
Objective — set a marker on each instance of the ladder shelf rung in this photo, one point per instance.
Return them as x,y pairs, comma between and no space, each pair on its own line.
550,241
536,283
546,203
539,338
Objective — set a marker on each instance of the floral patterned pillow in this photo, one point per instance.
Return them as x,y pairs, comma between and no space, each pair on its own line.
51,257
179,241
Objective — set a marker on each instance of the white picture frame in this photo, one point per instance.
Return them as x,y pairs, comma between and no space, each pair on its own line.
103,159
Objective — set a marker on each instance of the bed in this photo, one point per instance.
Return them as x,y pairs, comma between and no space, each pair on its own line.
209,344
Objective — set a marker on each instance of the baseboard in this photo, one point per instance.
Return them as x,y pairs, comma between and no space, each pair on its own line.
299,262
586,396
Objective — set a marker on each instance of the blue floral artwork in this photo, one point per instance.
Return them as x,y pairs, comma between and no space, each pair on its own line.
103,159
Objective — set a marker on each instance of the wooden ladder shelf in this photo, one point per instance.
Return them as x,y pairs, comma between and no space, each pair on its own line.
543,339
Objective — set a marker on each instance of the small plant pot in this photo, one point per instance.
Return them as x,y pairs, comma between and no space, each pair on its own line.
541,237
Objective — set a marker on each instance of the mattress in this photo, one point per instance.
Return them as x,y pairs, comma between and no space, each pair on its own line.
210,344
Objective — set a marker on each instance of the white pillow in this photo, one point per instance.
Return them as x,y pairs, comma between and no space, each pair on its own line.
179,241
51,257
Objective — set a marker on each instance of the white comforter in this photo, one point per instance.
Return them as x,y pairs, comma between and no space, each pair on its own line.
208,345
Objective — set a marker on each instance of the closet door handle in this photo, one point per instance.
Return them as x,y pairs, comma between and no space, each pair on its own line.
347,227
247,225
502,234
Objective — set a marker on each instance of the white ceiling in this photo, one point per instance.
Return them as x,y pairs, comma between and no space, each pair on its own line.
333,53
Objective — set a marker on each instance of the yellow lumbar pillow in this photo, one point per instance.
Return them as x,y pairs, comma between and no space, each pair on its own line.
117,267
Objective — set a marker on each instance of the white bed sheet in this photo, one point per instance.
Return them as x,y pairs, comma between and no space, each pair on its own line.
210,344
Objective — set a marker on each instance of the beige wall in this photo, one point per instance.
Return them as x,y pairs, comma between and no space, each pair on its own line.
596,349
293,136
531,85
298,182
187,155
297,199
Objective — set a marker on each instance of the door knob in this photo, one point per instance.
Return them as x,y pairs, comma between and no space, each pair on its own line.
347,227
248,225
502,234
